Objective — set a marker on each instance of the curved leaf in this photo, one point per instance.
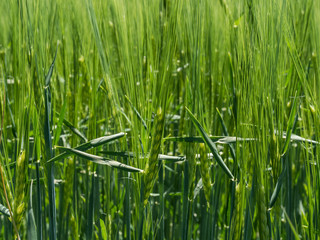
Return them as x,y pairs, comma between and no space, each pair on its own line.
210,144
88,145
102,160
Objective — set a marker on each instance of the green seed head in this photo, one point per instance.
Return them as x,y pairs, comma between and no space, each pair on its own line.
152,165
205,172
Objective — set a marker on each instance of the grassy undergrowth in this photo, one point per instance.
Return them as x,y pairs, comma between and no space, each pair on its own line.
159,119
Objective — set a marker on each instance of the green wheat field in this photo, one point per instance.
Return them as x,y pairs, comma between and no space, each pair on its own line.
162,119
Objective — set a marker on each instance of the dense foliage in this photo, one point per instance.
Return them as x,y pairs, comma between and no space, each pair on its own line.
138,119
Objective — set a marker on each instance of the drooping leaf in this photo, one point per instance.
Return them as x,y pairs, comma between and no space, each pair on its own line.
214,139
297,138
132,155
74,130
88,145
102,161
210,144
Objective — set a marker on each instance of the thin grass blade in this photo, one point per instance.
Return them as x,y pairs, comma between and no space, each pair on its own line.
7,101
277,189
137,113
74,130
49,153
225,131
32,232
290,126
59,125
296,235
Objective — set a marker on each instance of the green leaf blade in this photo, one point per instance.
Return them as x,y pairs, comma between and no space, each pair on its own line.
102,160
210,144
88,145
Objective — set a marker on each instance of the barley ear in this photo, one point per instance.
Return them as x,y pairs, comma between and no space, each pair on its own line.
152,165
205,172
6,185
19,204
